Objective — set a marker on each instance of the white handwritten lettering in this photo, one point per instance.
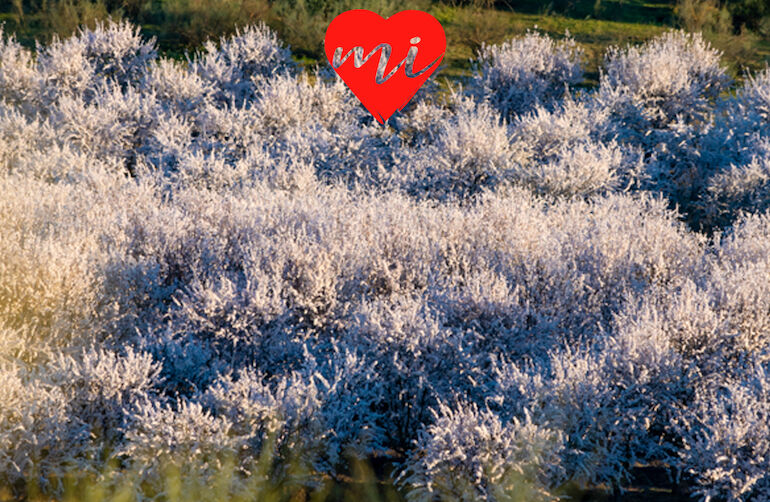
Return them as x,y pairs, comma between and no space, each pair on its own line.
359,60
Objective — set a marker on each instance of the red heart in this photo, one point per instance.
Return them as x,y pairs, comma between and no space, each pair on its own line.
384,61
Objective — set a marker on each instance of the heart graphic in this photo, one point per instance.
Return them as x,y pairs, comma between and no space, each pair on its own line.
384,61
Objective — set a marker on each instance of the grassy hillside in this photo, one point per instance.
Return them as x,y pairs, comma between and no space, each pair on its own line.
181,26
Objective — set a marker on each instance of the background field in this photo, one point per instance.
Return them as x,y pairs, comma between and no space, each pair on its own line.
741,29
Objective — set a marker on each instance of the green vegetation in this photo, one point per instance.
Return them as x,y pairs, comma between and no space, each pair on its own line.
226,482
740,29
366,480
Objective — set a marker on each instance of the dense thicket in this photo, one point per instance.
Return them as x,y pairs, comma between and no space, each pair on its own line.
516,286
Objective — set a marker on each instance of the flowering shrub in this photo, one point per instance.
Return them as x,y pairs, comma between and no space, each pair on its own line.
228,264
19,82
467,152
672,76
468,454
253,52
524,72
725,446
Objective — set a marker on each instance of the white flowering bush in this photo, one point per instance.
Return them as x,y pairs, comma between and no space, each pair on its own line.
38,437
725,446
674,75
662,97
466,153
19,81
524,72
737,179
183,435
254,51
508,292
743,118
735,190
74,66
470,454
